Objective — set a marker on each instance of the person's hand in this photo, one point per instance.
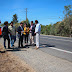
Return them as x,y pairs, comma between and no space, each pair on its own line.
22,31
30,29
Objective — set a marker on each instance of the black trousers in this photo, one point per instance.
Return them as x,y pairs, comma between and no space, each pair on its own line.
26,38
6,37
20,41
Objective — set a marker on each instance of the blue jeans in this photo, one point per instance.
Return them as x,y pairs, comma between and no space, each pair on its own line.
12,40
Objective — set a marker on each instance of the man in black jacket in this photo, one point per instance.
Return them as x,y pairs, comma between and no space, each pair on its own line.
32,33
20,31
5,33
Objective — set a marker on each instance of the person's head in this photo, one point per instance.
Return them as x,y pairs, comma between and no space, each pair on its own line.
21,24
11,23
25,25
36,21
6,23
31,22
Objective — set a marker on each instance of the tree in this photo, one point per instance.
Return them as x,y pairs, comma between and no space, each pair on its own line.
68,17
24,21
67,10
15,18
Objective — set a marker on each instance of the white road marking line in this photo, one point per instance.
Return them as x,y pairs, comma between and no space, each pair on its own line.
57,39
60,50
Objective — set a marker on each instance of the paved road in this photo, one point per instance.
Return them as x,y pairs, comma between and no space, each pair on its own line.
57,42
49,57
57,46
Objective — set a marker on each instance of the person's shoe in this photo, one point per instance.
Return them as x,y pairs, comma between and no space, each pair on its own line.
9,47
22,46
18,46
5,47
13,45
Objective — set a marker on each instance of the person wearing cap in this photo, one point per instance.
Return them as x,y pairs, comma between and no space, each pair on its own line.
5,33
20,31
37,31
12,31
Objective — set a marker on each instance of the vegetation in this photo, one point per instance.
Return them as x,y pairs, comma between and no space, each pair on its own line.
63,28
15,18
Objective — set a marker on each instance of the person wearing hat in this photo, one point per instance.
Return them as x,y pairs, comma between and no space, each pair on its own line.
5,33
20,31
12,31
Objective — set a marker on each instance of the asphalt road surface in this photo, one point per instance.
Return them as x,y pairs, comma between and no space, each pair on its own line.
57,46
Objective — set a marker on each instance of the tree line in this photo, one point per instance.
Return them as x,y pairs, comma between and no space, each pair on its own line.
61,28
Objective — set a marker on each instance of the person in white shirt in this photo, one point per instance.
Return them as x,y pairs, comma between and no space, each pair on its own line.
37,31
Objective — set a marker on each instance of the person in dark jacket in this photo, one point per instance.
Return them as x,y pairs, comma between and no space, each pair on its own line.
5,33
32,33
20,31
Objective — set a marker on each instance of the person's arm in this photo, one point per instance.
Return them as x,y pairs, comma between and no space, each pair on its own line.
18,30
9,31
15,30
28,30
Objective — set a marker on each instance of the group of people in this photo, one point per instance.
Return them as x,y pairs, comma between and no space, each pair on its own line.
23,32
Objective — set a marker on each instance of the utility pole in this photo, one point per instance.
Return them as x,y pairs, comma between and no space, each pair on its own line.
26,15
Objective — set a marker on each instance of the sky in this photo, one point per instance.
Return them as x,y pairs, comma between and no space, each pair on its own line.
45,11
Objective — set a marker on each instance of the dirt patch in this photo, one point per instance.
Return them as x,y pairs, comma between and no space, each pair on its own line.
11,63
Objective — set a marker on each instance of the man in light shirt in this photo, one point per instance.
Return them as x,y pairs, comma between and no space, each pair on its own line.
37,31
12,31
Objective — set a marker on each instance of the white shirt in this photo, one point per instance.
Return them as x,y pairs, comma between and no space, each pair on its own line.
38,28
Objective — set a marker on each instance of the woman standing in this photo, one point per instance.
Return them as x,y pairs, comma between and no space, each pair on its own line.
26,33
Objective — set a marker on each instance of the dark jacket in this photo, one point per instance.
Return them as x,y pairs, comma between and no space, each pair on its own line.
5,31
33,30
19,31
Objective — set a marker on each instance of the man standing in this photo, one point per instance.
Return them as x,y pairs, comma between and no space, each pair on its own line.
12,30
32,33
37,31
5,33
20,31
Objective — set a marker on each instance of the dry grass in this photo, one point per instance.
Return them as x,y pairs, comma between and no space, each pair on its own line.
11,63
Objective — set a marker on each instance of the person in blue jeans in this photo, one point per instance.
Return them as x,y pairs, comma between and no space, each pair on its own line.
12,31
5,33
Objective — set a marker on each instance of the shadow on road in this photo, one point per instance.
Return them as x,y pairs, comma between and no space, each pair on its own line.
16,49
46,45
